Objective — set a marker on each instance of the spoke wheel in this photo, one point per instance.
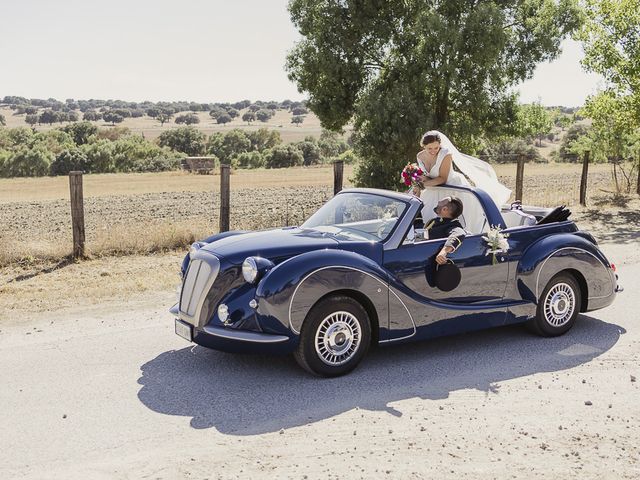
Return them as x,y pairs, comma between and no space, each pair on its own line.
558,306
338,338
335,337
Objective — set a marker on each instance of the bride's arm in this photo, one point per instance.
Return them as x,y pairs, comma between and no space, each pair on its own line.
445,168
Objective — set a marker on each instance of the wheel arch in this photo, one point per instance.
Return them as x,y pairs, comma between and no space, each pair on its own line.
584,288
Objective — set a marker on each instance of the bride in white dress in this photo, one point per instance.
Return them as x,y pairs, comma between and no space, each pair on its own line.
437,159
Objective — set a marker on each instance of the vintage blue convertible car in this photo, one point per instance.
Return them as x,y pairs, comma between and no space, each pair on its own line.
356,274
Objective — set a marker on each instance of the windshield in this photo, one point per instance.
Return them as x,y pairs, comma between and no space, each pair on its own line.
358,216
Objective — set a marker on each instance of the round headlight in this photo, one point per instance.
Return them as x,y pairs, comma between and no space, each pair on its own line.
250,270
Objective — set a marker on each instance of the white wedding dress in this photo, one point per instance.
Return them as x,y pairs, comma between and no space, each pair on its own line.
479,172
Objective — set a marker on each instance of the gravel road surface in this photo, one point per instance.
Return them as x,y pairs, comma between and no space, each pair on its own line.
111,392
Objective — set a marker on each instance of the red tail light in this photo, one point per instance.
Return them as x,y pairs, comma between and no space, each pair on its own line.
613,267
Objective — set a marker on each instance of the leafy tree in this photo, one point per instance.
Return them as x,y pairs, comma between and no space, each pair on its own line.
232,112
249,117
297,119
80,131
310,152
188,119
68,161
29,162
49,117
228,145
153,112
398,67
264,115
611,41
216,112
32,119
72,116
255,107
100,156
283,156
249,160
223,118
534,121
163,118
299,111
91,116
263,139
187,140
112,117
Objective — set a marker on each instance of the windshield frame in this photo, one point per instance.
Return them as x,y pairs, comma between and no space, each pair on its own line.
392,198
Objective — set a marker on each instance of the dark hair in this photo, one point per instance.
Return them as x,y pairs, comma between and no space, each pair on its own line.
428,138
456,207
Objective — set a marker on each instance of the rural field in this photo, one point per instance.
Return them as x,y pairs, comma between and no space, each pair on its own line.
151,128
152,212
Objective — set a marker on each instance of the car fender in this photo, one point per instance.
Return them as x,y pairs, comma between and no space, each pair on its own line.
565,251
288,291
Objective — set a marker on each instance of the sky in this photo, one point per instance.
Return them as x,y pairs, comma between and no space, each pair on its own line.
195,50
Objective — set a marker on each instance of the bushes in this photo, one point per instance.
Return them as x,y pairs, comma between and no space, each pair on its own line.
186,140
283,156
249,160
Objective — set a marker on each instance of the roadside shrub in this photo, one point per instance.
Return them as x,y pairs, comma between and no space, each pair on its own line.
29,162
283,156
310,152
68,161
186,140
249,160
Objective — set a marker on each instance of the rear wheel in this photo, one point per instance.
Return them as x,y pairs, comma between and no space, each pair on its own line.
558,306
335,337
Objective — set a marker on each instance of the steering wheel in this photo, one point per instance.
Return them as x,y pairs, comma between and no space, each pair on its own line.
382,231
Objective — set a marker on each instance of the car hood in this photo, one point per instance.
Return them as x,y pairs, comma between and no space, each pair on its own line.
275,245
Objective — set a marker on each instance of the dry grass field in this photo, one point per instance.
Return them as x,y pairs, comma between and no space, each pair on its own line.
151,212
152,129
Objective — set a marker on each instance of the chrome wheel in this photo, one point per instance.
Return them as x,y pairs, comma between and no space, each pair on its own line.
559,304
337,338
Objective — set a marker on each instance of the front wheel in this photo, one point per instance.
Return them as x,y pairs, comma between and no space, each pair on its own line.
558,306
335,337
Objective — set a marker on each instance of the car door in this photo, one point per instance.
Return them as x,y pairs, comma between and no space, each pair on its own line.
477,299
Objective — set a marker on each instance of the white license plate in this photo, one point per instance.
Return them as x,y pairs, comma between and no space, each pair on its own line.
184,330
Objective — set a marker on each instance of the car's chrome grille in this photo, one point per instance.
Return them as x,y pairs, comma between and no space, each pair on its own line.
202,272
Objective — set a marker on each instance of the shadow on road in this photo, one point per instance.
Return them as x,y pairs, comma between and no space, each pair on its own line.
245,395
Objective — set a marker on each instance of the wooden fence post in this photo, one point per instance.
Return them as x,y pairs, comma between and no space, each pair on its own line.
224,198
77,213
583,180
519,177
338,168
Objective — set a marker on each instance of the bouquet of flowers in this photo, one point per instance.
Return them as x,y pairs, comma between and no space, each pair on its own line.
497,242
411,176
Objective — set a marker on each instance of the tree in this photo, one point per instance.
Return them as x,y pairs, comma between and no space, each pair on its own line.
223,118
534,121
249,117
297,119
263,139
445,65
31,119
310,152
112,117
232,112
228,145
48,116
299,111
80,132
187,140
188,119
3,121
163,117
216,112
264,115
249,160
283,157
91,116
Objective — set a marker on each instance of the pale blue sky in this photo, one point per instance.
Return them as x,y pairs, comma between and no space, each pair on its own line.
200,50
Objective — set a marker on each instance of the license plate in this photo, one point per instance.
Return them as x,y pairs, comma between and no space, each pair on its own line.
184,330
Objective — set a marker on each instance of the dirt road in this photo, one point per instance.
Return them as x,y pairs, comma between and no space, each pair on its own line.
111,392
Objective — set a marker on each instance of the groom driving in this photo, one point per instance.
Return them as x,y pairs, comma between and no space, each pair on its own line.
446,226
